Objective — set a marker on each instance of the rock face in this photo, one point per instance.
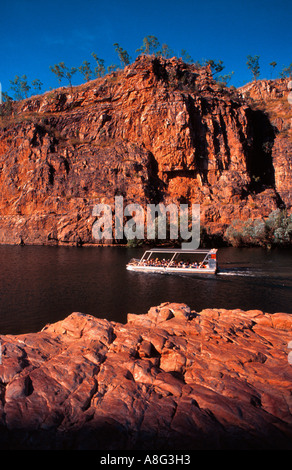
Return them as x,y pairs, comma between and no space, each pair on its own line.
170,379
271,98
158,131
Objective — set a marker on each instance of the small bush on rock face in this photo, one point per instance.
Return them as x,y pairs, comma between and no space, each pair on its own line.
275,230
134,243
280,226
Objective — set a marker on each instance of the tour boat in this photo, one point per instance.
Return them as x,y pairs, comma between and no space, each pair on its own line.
175,261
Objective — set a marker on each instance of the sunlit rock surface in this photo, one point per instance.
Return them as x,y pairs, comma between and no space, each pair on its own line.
158,131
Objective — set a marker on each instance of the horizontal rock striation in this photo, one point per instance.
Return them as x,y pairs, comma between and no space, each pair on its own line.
171,379
158,131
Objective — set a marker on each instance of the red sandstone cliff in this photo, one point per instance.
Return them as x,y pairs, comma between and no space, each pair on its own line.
158,131
271,98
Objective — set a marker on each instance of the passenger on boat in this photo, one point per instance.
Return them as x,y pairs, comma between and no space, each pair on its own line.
177,264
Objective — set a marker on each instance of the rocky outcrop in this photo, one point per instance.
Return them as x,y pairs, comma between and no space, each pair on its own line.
158,131
270,97
171,379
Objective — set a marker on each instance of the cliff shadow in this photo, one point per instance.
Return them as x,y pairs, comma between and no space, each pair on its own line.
198,132
259,160
155,188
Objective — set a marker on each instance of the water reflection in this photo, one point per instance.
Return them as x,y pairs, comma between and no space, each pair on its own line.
40,285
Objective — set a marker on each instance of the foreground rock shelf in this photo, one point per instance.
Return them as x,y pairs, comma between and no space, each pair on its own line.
170,379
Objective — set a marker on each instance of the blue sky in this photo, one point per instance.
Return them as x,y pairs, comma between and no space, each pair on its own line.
36,34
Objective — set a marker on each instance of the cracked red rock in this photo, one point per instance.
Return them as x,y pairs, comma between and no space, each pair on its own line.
169,379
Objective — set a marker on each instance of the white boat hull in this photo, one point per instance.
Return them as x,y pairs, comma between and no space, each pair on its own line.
165,270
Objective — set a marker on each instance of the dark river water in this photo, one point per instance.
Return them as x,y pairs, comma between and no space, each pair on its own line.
40,285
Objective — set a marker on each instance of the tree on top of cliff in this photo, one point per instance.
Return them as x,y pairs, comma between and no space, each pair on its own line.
58,71
100,68
62,71
166,52
112,68
225,79
123,54
6,98
37,84
216,67
186,57
20,87
253,65
85,70
150,45
273,64
286,71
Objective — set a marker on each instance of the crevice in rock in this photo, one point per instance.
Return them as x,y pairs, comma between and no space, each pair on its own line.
52,172
259,154
154,188
38,135
2,393
94,390
255,401
28,386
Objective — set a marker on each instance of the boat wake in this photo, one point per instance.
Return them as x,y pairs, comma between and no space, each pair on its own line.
238,272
